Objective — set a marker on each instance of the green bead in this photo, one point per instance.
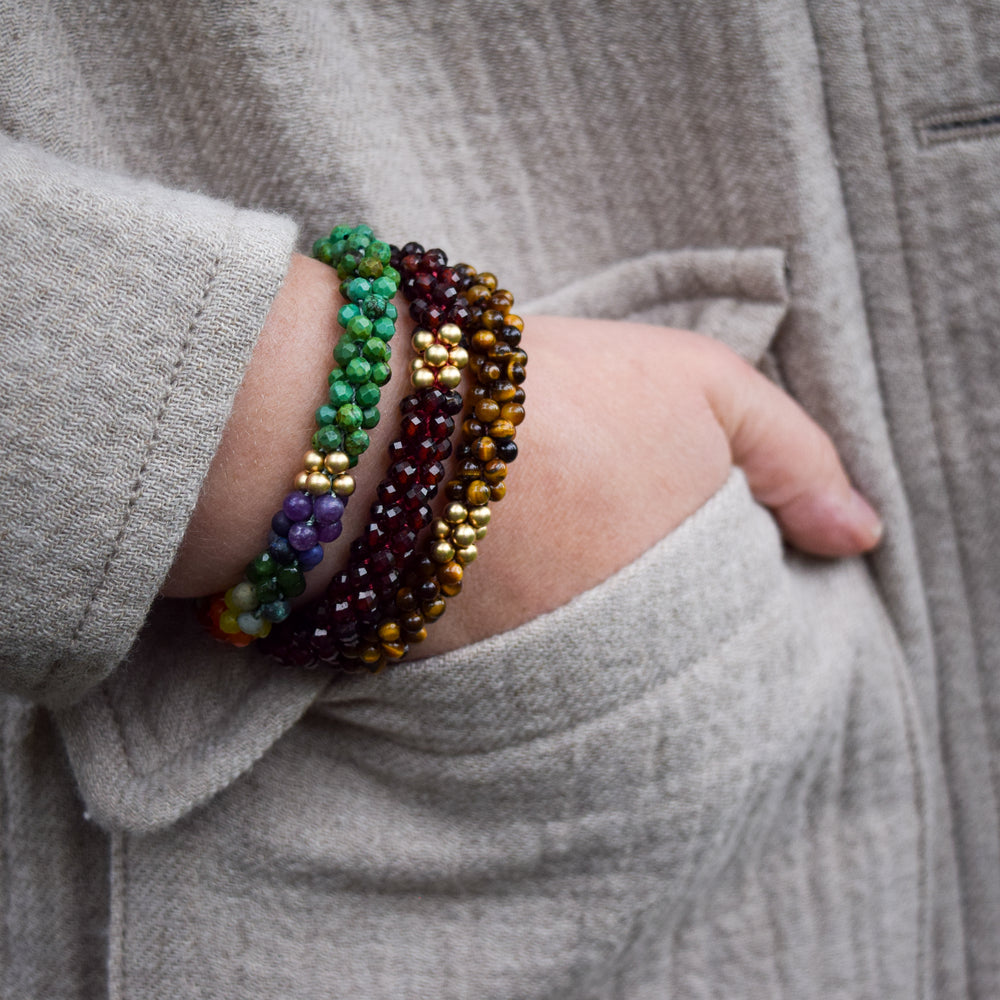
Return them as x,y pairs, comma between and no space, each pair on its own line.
341,393
359,240
360,328
356,442
370,268
367,395
328,438
380,251
380,373
323,250
359,290
341,232
291,580
275,611
376,350
267,590
391,311
384,328
336,375
366,231
369,417
337,250
326,415
374,306
346,313
262,568
390,272
384,286
346,351
349,417
358,371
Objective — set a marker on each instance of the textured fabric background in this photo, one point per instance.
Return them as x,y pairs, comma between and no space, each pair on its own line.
809,809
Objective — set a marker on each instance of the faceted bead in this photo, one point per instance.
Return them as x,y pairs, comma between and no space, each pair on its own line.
358,371
359,327
345,351
326,414
375,349
380,373
328,438
369,418
346,313
341,394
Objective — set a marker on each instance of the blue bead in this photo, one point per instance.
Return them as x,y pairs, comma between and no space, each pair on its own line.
280,524
311,557
280,548
275,611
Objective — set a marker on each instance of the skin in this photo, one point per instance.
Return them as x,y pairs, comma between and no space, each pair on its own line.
629,430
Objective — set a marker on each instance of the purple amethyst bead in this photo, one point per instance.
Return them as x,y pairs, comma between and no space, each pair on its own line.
328,508
297,506
302,536
280,524
328,532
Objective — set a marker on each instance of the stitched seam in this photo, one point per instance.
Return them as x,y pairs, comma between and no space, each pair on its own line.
955,126
186,344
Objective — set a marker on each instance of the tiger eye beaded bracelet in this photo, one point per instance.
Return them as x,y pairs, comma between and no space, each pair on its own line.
404,591
311,514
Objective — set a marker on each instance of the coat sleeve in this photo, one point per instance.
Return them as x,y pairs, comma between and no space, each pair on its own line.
130,313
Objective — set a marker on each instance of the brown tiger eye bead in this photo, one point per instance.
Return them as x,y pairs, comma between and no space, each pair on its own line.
503,391
502,300
478,392
514,321
451,589
478,293
412,621
416,637
484,449
477,493
449,574
502,429
370,655
472,429
513,412
394,650
487,410
406,600
492,319
455,490
495,471
488,279
498,492
388,631
433,610
482,341
425,567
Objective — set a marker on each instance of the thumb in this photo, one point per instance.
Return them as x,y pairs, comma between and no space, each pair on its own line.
790,463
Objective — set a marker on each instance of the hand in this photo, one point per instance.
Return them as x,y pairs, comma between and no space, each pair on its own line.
630,429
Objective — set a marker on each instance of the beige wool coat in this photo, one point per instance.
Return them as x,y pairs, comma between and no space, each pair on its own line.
759,775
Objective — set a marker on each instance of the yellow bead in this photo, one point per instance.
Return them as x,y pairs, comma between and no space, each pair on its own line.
458,356
467,554
343,486
301,479
265,629
423,378
479,517
463,535
455,513
436,355
317,484
481,533
450,334
421,340
450,377
442,552
336,463
440,529
227,622
389,631
370,654
313,461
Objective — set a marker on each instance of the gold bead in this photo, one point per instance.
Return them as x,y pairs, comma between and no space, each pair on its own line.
479,517
458,356
421,340
455,513
301,480
389,631
317,484
467,554
313,461
440,529
481,533
450,377
436,355
336,462
450,334
442,552
416,364
463,535
423,378
343,486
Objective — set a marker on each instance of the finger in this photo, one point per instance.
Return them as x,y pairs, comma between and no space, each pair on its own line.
790,463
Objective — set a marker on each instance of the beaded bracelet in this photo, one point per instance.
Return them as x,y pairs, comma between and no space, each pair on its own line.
311,514
446,300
